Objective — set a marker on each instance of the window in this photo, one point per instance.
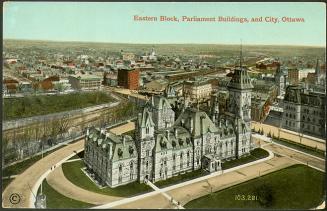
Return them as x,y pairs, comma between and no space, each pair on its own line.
147,130
131,170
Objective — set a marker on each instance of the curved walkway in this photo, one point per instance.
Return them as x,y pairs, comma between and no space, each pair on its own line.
57,180
24,183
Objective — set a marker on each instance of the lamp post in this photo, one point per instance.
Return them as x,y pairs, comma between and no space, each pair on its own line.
41,199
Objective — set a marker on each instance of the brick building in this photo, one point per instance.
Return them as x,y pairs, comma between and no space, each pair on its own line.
129,78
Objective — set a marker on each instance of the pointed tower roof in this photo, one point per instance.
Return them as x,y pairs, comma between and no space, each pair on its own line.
317,70
241,78
146,118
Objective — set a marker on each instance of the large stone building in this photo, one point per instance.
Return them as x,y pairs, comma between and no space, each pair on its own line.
85,82
197,89
166,144
304,111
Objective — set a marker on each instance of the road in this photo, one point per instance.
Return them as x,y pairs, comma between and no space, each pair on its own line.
295,155
183,192
61,184
123,128
306,140
24,182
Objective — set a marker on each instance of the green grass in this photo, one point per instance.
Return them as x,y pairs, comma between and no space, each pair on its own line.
20,167
181,178
15,108
57,200
73,173
5,183
301,147
295,187
255,154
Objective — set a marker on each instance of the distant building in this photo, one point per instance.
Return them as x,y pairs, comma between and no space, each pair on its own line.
260,107
110,79
129,78
11,85
85,82
304,111
280,81
293,76
128,56
197,89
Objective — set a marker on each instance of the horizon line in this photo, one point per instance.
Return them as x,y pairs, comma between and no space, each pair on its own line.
133,43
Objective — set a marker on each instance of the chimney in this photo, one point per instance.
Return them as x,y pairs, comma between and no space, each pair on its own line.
226,122
103,131
183,122
191,124
109,149
87,131
167,134
124,140
176,132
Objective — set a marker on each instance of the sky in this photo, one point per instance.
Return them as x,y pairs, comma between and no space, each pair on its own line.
113,22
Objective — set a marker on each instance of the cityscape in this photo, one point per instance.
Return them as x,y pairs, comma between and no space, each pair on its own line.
132,125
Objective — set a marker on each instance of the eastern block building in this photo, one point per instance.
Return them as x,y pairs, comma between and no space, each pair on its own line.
165,145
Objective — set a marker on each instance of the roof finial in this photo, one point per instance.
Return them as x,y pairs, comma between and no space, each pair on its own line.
241,58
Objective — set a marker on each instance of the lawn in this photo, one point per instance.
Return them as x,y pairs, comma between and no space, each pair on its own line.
181,178
16,108
5,183
18,168
301,147
255,154
57,200
295,187
73,173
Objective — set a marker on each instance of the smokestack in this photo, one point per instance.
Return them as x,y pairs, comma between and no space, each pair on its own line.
167,134
109,149
124,140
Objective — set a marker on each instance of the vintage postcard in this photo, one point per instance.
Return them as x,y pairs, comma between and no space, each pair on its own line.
171,105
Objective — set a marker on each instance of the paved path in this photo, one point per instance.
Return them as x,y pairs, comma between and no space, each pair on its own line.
316,163
60,183
24,182
172,200
123,128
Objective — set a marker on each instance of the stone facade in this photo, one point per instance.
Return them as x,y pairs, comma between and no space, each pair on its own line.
166,144
304,111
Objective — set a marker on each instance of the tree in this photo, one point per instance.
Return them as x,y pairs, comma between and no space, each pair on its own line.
265,195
